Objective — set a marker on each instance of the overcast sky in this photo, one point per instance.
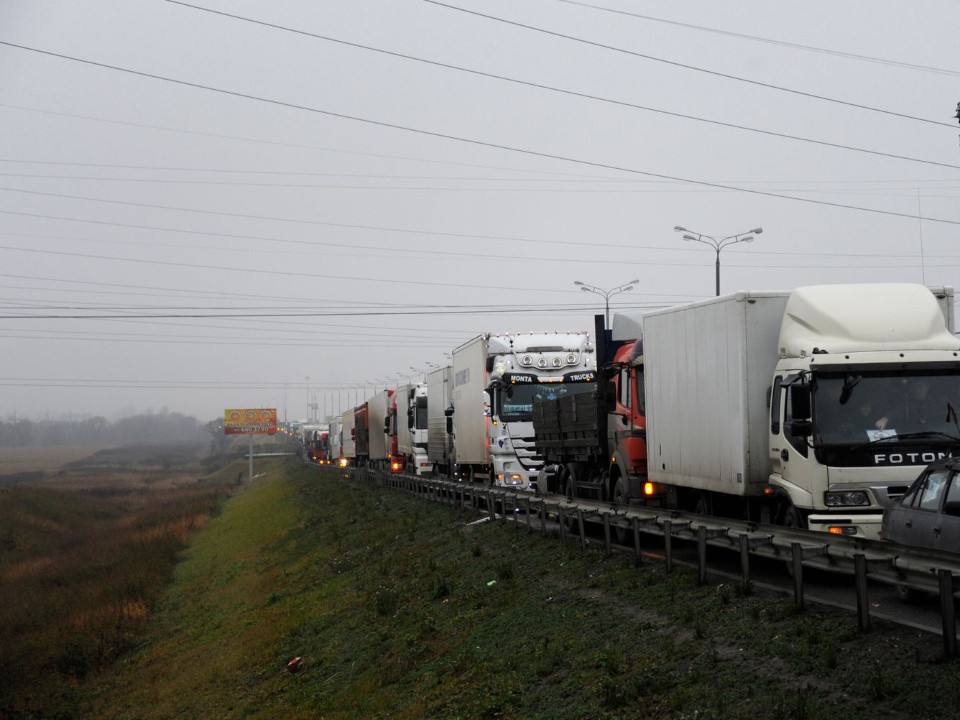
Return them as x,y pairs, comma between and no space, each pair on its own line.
200,211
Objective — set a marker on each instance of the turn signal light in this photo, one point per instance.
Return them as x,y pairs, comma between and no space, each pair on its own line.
649,488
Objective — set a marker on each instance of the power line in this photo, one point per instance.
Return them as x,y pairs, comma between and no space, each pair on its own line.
755,38
277,143
550,88
482,143
685,66
330,313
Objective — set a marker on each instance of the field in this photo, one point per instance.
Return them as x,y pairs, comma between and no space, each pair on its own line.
85,550
401,609
14,460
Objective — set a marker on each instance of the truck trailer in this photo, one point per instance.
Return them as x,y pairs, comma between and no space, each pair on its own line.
440,420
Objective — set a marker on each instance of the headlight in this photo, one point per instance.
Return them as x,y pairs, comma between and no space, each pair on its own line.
845,498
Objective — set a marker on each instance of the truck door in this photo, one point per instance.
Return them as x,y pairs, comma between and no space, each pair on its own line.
776,425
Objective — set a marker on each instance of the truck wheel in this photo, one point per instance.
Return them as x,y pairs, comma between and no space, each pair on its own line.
793,518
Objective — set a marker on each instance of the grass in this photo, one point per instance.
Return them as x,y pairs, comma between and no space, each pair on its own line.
403,609
79,573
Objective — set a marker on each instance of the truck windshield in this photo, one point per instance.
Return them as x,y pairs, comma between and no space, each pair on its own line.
516,401
860,407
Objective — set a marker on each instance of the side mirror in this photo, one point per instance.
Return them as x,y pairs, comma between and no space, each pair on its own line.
386,424
410,418
609,396
449,424
801,428
486,404
800,401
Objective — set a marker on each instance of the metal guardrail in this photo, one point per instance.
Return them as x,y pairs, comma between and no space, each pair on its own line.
926,571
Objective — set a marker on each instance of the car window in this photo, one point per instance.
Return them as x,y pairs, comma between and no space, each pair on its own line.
953,491
910,497
933,489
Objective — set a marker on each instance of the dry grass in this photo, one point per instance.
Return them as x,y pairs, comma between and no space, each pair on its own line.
41,459
82,560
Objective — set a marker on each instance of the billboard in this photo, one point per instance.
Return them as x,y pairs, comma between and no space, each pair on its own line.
250,421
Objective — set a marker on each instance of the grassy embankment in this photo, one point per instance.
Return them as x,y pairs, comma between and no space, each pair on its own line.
402,609
81,567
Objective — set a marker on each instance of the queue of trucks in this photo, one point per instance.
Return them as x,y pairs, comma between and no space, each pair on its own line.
811,408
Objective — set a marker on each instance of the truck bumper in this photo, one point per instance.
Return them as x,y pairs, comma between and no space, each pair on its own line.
863,526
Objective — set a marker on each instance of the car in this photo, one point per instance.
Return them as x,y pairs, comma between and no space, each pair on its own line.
928,515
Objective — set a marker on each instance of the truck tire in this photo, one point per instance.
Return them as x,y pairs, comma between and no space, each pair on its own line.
794,518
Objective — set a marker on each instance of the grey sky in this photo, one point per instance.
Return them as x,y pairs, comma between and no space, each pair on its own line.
129,195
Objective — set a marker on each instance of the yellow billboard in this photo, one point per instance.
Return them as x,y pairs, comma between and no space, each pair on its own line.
250,421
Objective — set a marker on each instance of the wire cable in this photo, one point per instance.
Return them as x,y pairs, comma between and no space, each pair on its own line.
685,66
482,143
587,96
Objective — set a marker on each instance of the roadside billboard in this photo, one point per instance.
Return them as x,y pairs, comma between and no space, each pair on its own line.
250,421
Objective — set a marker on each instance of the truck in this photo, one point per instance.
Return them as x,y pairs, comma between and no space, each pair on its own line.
361,434
379,408
593,443
348,439
496,379
798,408
440,420
761,405
410,427
336,440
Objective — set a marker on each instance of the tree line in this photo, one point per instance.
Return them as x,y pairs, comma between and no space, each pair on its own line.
162,427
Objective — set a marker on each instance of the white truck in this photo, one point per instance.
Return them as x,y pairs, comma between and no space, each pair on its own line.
336,440
411,427
440,420
348,442
495,381
795,407
379,407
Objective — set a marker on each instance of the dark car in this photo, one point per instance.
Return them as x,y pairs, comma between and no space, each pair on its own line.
929,513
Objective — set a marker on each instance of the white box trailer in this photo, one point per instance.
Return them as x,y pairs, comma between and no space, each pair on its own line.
336,439
707,371
469,411
379,408
439,401
348,446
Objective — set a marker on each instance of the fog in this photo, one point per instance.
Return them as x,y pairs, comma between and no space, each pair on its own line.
302,201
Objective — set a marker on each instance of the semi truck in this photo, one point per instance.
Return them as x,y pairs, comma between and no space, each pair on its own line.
593,444
495,381
410,427
812,408
382,440
440,420
336,440
361,434
348,439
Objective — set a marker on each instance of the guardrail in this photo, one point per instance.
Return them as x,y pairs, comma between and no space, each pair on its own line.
921,570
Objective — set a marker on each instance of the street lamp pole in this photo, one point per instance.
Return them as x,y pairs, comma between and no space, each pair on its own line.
606,294
718,244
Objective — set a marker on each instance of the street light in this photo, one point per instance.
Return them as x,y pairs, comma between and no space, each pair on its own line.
606,294
718,244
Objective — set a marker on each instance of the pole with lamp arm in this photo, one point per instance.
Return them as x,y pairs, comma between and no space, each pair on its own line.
607,294
718,244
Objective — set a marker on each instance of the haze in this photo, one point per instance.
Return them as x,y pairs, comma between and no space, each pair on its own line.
201,211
